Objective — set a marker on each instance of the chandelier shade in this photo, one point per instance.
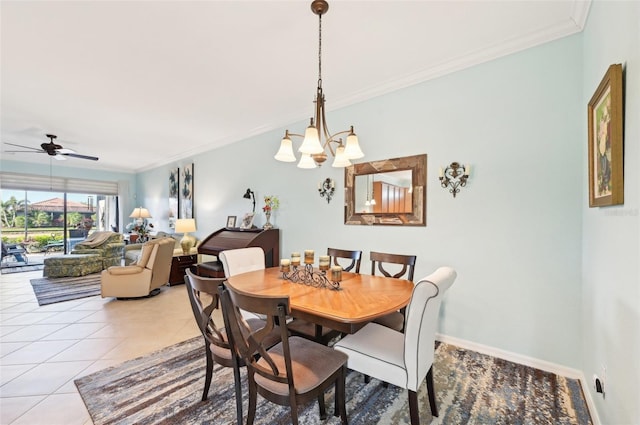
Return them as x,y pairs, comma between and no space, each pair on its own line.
317,139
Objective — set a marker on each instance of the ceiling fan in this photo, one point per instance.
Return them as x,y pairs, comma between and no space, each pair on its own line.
52,149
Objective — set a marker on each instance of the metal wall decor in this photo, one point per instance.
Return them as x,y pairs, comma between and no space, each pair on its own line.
454,177
327,188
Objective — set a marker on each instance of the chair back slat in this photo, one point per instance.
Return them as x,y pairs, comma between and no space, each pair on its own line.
354,256
204,306
380,262
252,345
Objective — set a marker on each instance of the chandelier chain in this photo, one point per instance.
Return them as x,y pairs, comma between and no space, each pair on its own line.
320,50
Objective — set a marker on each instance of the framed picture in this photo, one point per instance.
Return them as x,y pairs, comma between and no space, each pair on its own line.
247,221
174,187
186,192
606,177
231,221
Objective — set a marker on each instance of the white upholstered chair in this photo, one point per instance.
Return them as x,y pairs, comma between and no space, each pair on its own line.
403,359
143,278
242,260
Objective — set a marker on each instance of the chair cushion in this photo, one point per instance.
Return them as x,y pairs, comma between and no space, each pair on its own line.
378,351
312,363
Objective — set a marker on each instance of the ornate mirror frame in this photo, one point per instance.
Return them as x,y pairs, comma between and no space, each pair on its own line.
418,166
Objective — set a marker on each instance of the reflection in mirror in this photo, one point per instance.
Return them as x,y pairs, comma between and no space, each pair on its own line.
388,192
384,192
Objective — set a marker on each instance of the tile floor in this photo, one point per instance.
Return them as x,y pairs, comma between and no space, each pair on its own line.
43,349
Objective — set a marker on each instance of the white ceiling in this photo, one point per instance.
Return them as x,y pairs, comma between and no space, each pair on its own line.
144,83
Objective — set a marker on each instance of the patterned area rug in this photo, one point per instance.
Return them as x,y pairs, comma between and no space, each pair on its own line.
471,388
55,290
21,267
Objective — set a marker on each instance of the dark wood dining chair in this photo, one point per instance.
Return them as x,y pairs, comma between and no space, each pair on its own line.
398,266
354,256
293,372
204,296
316,332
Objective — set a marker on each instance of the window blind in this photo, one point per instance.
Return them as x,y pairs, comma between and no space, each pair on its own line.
17,181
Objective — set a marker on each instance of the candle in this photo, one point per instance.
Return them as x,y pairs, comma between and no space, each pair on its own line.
308,256
285,265
441,172
324,262
336,273
467,170
295,258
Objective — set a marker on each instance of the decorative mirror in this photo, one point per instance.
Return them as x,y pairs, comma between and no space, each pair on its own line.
390,192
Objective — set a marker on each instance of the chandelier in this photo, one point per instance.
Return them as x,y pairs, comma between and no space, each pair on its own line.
317,139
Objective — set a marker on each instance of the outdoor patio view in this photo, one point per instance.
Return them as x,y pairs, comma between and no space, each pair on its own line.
35,221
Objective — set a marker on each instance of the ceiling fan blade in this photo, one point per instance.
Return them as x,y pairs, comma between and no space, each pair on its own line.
26,147
77,155
65,151
59,157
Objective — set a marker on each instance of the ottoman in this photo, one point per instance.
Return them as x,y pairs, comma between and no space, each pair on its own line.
72,265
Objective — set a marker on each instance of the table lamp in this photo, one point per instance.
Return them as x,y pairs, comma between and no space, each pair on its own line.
140,214
186,225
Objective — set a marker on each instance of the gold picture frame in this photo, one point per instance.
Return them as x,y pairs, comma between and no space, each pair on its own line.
606,160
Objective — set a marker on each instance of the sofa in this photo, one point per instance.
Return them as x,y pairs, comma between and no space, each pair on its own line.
132,251
108,245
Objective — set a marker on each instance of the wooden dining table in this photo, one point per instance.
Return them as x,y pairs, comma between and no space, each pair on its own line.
360,298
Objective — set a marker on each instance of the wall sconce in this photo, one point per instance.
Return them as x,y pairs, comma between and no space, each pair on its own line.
327,188
249,195
454,177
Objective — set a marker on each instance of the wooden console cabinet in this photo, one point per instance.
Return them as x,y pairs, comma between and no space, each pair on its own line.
179,265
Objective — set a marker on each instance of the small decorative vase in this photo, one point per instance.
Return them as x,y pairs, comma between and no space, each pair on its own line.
268,224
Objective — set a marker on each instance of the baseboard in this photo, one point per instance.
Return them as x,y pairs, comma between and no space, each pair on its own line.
530,362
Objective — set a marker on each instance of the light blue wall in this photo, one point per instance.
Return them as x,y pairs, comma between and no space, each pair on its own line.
611,279
513,234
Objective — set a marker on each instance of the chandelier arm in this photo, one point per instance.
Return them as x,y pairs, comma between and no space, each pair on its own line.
296,135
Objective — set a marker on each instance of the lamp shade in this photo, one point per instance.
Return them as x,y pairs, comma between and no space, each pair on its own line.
311,143
341,159
306,161
140,213
285,153
352,150
185,225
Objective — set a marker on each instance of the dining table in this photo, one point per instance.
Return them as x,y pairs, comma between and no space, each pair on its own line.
359,299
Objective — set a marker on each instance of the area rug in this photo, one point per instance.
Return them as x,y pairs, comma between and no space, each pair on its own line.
20,268
55,290
471,388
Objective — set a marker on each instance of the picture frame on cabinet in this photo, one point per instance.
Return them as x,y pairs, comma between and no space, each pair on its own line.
231,221
606,161
247,221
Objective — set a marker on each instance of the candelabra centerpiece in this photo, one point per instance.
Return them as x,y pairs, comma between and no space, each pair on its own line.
305,274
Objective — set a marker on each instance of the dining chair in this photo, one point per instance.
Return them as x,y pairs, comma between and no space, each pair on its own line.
389,265
293,372
403,359
204,297
354,256
318,333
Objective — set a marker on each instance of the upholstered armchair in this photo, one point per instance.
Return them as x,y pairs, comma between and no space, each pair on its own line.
108,245
143,278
